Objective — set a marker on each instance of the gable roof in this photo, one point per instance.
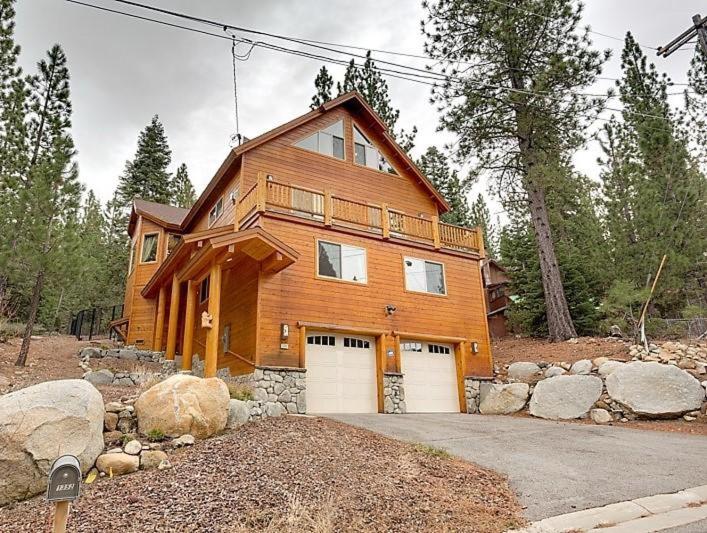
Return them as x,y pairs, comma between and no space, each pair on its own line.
169,216
352,100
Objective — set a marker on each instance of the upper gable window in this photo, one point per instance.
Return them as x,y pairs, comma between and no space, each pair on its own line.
368,155
329,141
216,211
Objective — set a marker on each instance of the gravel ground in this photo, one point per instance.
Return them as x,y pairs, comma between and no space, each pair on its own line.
511,350
292,474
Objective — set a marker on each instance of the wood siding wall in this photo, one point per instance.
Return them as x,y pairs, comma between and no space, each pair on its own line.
296,294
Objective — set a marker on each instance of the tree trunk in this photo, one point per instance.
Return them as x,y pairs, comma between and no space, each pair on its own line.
559,321
34,307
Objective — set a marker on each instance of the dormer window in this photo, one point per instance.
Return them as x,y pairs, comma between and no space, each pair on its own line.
216,211
368,155
329,141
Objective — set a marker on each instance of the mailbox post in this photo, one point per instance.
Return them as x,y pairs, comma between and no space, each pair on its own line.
63,488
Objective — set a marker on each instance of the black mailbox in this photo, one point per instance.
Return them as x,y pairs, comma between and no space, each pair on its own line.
64,479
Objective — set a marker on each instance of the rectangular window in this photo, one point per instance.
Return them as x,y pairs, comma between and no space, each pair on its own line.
322,340
411,346
341,261
149,248
216,212
436,348
351,342
424,276
172,241
204,290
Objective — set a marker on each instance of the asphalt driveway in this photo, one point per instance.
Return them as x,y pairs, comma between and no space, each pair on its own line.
557,467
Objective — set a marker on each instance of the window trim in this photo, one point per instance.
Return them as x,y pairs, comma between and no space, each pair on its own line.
445,294
397,173
133,250
343,160
207,281
317,275
157,248
212,222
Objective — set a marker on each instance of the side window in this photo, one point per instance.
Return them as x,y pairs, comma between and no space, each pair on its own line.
204,290
329,141
368,155
149,248
424,276
216,212
341,261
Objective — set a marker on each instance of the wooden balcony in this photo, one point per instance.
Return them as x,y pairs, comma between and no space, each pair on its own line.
268,194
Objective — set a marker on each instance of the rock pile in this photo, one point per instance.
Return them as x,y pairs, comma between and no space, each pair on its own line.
692,359
132,456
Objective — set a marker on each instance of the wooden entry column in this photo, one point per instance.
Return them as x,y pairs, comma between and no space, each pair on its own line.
173,320
159,321
212,334
188,341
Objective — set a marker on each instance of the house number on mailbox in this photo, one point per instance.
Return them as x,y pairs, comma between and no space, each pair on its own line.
64,479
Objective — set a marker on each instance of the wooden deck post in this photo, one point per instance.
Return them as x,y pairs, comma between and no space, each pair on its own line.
189,317
327,208
398,362
212,334
173,320
385,221
261,193
159,321
461,351
302,346
435,232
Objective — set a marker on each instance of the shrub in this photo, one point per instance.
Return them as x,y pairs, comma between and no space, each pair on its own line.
126,438
240,391
432,451
155,435
10,330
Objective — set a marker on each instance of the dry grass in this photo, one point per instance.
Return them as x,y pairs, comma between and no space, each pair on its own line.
432,451
148,376
240,391
298,517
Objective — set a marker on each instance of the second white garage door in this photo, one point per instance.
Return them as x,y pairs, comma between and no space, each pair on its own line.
429,377
341,373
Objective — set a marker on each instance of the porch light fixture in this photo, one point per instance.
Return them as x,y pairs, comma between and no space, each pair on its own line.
390,309
284,331
474,347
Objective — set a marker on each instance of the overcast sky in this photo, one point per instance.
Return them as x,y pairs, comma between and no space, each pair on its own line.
124,70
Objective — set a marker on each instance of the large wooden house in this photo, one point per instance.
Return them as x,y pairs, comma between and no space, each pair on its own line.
316,246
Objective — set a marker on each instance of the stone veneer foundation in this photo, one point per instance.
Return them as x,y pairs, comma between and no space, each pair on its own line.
393,394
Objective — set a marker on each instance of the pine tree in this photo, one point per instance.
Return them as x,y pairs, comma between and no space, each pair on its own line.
51,195
480,216
146,175
323,84
184,193
435,166
117,248
525,113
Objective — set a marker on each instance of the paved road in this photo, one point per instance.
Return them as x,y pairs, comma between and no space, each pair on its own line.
557,467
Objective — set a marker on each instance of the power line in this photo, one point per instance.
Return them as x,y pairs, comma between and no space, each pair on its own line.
417,75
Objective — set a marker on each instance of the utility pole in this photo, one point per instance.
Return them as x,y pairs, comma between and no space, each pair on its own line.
698,29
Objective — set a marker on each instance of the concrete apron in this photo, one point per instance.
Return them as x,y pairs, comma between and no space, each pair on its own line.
642,515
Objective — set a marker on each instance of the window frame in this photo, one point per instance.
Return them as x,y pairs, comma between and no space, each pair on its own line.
133,247
444,277
204,288
220,213
156,234
317,275
355,126
332,156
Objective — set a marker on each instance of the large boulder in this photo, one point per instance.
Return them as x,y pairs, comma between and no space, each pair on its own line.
40,423
609,367
525,372
565,397
581,367
117,464
655,390
238,414
184,404
504,399
99,377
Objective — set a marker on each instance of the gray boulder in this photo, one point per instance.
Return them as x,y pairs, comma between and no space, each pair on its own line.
655,390
525,372
504,399
565,397
99,377
238,414
609,367
555,371
40,423
582,367
92,352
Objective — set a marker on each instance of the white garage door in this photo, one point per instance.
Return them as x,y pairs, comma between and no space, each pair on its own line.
341,374
429,377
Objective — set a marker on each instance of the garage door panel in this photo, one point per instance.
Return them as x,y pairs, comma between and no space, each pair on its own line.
430,381
341,379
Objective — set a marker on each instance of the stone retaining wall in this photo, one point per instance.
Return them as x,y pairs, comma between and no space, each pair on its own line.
393,394
471,392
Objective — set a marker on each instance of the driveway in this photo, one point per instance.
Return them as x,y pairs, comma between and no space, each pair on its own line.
557,467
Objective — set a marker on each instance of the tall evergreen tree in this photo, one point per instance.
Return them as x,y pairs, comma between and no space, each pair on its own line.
323,84
654,189
480,216
533,59
184,193
51,195
433,164
146,175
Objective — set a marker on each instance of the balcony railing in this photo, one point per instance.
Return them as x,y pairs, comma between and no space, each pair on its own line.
267,194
